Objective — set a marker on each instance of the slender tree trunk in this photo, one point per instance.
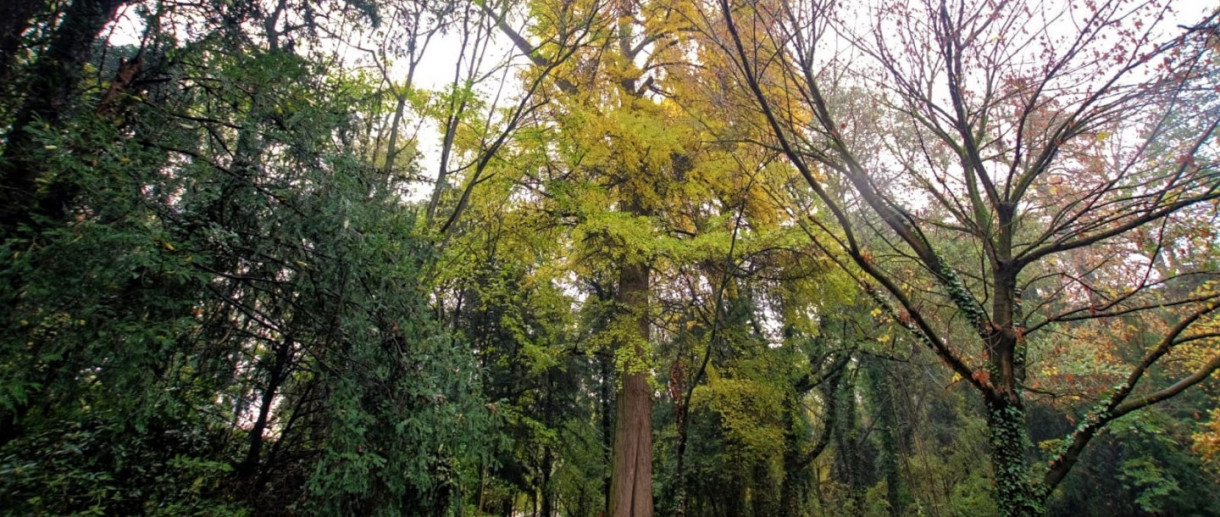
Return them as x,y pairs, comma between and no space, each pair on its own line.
247,471
607,403
548,494
680,497
631,468
482,489
391,153
889,436
548,455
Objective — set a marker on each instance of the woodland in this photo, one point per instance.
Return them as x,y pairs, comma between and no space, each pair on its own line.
616,258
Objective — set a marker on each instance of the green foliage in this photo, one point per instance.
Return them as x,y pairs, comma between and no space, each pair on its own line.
103,466
216,300
244,330
1154,474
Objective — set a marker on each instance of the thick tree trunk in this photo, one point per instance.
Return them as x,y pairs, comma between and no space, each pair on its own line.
792,493
1016,496
797,473
631,461
56,74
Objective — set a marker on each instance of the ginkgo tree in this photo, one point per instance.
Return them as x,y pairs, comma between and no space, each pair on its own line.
1018,133
632,155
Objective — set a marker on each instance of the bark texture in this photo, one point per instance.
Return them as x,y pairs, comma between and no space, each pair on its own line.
631,469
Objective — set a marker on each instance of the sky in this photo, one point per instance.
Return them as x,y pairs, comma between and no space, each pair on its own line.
436,70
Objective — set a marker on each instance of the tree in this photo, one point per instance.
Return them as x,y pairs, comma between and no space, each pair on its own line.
614,137
1023,132
248,327
55,76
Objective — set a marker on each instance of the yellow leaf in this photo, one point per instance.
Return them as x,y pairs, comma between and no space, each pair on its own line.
1103,135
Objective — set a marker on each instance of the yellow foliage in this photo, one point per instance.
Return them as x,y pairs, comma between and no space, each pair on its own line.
749,411
1207,441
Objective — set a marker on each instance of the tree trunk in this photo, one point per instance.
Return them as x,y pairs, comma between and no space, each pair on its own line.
631,467
56,76
680,470
607,400
889,434
247,470
482,489
1016,495
845,430
548,493
792,493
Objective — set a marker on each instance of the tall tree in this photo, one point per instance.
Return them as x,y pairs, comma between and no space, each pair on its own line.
615,138
248,317
1024,130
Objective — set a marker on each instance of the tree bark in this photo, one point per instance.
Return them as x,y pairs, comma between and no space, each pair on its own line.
797,472
55,75
548,494
845,429
631,468
247,470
